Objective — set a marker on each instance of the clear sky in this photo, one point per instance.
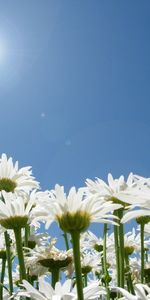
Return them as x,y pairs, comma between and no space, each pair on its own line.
75,88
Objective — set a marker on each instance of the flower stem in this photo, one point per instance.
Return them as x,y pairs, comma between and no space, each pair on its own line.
75,235
9,261
55,276
121,246
85,280
102,262
142,252
27,234
104,248
117,250
129,279
18,238
146,255
66,240
2,277
106,274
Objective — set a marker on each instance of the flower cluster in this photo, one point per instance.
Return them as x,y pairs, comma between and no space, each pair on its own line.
113,265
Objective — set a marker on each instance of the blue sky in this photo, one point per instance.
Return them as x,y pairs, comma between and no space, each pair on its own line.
75,88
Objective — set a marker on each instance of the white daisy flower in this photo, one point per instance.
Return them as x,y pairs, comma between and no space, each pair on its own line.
75,211
37,238
117,190
90,240
140,201
13,211
13,179
135,267
135,191
46,292
61,292
139,194
136,214
142,292
89,261
132,242
49,256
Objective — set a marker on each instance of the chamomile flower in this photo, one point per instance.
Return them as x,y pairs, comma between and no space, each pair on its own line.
90,241
137,195
135,267
141,214
13,212
61,291
49,256
89,262
75,211
142,292
13,179
46,292
117,190
132,242
36,238
35,270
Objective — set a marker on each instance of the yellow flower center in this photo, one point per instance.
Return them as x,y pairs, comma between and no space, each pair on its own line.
147,272
78,221
14,222
7,185
3,254
98,248
55,264
143,220
129,250
86,269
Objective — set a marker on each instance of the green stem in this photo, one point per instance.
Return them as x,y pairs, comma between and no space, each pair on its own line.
9,261
98,276
27,234
32,279
2,277
104,248
66,240
116,235
85,280
129,279
106,274
121,246
146,255
142,252
147,279
37,284
102,263
55,276
26,244
75,235
18,238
